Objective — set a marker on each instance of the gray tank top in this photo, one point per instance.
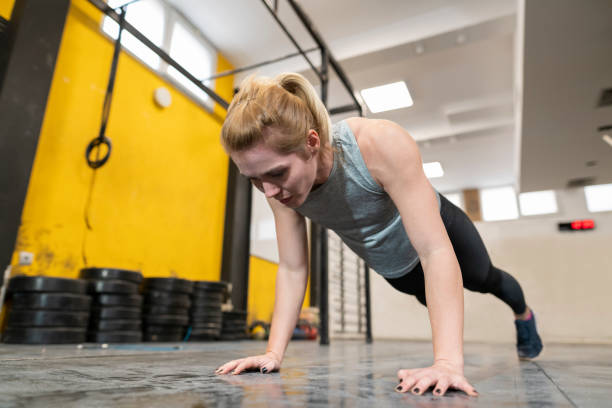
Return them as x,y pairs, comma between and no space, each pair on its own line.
356,208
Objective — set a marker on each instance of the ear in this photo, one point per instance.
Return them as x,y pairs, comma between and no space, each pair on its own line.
313,141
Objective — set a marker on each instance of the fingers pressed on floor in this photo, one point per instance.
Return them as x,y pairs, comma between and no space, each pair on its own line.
247,363
406,384
441,387
422,385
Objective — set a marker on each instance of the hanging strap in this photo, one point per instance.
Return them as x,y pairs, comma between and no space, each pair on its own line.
102,139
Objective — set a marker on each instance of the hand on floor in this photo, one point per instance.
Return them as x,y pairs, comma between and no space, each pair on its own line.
266,363
442,375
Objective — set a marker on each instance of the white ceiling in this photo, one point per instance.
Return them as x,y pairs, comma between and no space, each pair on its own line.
463,83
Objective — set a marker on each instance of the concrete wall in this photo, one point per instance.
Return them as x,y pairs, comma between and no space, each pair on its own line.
566,278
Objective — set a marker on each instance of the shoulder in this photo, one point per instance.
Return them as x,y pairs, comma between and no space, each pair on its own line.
384,145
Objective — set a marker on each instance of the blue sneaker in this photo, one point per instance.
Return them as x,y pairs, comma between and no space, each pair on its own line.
528,342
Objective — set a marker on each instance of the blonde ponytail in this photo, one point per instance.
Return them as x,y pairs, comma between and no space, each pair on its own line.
288,102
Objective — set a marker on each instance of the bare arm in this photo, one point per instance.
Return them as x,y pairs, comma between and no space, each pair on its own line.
292,275
393,158
291,280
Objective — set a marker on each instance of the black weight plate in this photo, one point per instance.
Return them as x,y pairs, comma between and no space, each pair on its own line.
233,322
114,325
162,337
234,329
224,331
157,298
43,335
236,314
118,300
205,325
206,312
114,337
211,298
157,329
51,301
112,312
174,320
203,318
195,309
47,318
203,337
24,283
155,310
208,292
206,304
116,287
206,332
168,285
218,285
110,273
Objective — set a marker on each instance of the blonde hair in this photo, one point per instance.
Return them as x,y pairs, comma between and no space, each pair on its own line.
287,102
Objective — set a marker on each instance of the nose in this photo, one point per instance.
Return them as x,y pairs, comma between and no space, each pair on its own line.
270,190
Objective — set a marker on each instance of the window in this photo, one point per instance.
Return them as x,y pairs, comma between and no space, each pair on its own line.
455,198
387,97
538,202
599,197
433,170
194,56
148,17
498,204
171,32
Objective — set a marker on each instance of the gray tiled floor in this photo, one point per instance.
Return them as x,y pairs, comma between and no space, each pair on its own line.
345,374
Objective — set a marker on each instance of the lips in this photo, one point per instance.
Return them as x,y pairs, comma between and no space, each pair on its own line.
285,200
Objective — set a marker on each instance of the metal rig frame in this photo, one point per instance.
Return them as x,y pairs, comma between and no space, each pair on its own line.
236,237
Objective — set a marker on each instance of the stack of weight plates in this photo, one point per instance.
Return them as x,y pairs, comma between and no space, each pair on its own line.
166,310
234,325
117,306
47,310
205,317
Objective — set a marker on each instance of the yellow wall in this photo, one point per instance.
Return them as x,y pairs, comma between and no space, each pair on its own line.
262,286
6,8
158,204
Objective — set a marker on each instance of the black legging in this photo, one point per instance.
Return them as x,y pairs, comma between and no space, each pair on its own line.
479,275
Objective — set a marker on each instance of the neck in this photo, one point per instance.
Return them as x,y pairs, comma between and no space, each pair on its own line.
325,162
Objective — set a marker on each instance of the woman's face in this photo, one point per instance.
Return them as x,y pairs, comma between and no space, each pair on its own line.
287,178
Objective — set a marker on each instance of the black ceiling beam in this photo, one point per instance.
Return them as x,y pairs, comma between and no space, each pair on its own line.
103,7
284,28
259,64
344,109
321,43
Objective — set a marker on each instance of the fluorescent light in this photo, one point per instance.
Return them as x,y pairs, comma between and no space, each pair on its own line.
498,204
387,97
433,169
599,197
538,202
607,138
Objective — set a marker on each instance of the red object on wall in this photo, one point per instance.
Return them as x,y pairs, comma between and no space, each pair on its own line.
583,224
588,224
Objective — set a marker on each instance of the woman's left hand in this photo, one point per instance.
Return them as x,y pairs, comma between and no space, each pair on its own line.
441,374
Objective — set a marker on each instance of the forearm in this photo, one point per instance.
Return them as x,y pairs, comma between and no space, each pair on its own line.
290,290
444,293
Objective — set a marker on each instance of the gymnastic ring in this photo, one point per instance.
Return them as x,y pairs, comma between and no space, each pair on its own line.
94,164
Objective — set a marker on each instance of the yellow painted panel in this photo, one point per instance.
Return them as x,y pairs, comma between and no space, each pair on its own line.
158,204
6,8
262,286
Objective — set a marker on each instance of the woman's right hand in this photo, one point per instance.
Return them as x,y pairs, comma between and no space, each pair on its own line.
266,363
